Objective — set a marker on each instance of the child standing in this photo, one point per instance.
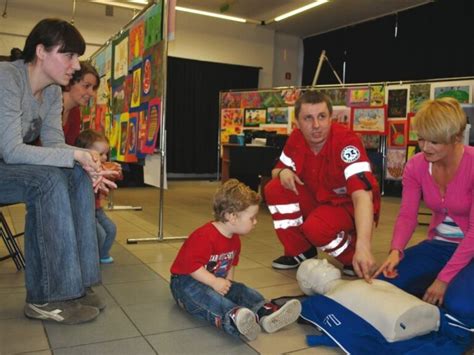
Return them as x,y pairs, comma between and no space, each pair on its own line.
202,273
106,228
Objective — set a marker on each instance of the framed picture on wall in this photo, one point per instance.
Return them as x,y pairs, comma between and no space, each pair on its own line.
369,120
358,97
412,137
254,117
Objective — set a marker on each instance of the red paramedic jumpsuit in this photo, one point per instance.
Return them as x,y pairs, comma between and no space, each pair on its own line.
322,214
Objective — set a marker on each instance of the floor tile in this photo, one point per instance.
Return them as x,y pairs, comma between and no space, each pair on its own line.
198,341
162,269
140,291
136,346
126,273
12,303
261,277
22,335
111,324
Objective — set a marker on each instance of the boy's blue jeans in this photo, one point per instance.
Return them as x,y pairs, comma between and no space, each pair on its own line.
60,231
419,268
204,303
106,232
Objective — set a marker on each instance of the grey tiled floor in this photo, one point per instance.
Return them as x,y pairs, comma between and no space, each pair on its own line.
141,316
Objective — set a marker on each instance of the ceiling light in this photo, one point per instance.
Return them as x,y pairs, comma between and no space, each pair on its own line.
117,4
301,9
211,14
143,2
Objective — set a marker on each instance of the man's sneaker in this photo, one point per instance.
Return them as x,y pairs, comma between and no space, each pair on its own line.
246,323
285,315
291,262
92,299
348,270
65,312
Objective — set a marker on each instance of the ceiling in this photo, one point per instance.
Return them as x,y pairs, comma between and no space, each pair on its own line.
329,16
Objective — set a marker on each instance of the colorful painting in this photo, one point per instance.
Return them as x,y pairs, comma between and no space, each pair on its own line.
341,115
395,163
99,63
369,120
232,120
146,78
397,103
114,137
254,117
419,93
290,96
277,115
269,99
123,137
411,151
460,93
152,74
338,96
136,38
153,125
277,128
230,100
397,134
370,141
153,26
412,137
142,126
132,139
118,99
136,87
377,95
358,97
250,99
120,55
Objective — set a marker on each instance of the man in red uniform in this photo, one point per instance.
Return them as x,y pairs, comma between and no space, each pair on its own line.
323,193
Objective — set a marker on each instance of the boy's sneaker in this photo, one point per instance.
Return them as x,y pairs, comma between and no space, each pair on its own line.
291,262
348,270
107,260
65,312
246,323
281,317
92,299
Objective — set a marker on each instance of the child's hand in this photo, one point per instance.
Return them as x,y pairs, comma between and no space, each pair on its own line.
221,286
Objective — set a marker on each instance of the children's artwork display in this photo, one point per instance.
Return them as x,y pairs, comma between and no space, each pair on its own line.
377,95
397,103
370,141
397,134
419,93
395,163
254,117
358,97
460,93
341,115
412,137
128,104
369,120
277,115
411,151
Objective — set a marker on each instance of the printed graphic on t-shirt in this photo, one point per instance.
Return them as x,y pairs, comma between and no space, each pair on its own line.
220,264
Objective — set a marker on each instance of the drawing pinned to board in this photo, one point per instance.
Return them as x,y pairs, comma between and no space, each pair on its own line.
338,96
358,97
132,139
277,115
118,99
460,93
153,26
153,125
114,137
232,120
123,136
250,99
377,95
411,151
120,56
419,93
142,126
397,137
395,163
369,120
254,117
136,87
155,72
397,103
146,79
290,95
136,46
370,141
270,99
412,136
99,63
230,100
341,115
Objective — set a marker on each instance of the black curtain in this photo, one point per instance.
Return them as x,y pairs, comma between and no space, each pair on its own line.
435,40
192,111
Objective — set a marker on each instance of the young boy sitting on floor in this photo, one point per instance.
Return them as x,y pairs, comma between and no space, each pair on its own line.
202,273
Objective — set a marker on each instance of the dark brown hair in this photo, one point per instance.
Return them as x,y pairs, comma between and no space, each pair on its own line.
312,97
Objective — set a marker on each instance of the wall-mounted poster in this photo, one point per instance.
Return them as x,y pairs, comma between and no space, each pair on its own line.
412,137
338,96
136,38
369,120
419,93
461,93
278,115
341,115
397,103
358,97
153,26
377,95
397,134
120,56
395,163
254,117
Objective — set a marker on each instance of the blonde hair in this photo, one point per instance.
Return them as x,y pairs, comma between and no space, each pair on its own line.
232,197
442,121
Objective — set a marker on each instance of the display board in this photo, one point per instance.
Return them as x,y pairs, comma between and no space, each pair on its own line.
127,105
382,113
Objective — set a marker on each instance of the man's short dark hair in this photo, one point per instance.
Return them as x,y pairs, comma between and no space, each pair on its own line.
312,97
53,32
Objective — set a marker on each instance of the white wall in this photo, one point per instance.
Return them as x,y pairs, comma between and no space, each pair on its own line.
197,37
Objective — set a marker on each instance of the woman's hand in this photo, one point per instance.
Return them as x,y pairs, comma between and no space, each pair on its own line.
435,293
89,160
388,268
289,179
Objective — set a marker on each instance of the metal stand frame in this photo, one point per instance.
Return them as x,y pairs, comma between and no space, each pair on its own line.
162,150
111,207
13,249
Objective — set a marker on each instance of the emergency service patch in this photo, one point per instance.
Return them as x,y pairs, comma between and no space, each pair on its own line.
350,154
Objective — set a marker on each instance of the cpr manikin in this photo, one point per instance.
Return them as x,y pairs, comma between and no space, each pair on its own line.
396,314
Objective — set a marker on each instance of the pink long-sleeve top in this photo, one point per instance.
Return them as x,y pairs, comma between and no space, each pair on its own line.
457,203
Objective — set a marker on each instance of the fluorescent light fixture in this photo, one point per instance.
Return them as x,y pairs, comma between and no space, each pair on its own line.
301,9
143,2
117,4
211,14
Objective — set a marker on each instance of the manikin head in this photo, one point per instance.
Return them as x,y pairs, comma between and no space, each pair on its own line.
315,276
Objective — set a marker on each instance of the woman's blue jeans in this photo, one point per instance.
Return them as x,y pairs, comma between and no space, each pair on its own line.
60,231
204,303
106,232
421,265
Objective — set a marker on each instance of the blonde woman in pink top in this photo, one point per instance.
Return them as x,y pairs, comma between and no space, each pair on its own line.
440,270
